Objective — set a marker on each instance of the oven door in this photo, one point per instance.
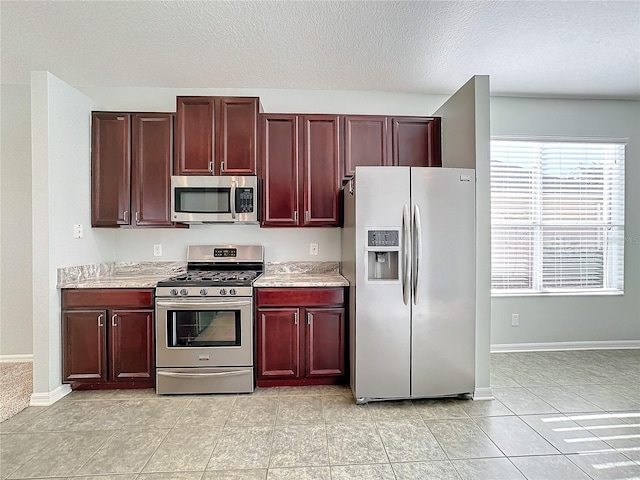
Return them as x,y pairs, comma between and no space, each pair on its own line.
204,333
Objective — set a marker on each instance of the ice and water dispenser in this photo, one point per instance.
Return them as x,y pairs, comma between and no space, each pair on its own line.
383,254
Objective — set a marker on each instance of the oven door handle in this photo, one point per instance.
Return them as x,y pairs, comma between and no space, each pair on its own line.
210,374
207,305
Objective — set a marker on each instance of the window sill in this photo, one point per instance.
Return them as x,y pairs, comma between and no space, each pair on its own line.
590,293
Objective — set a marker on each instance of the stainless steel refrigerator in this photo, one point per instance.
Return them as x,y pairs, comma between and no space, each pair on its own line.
408,248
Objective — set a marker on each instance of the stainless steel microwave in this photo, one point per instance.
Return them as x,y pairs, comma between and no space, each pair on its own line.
214,199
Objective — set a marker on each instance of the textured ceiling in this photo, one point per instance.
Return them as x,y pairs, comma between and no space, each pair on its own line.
556,48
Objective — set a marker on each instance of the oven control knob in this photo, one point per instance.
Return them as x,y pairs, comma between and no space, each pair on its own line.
223,291
232,291
173,291
203,291
184,291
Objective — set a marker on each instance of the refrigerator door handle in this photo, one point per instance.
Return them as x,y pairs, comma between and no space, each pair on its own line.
417,245
406,253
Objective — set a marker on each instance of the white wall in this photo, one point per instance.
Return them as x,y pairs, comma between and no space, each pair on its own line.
465,144
60,133
584,318
15,213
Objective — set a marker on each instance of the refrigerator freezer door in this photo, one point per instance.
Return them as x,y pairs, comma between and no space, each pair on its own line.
443,329
382,320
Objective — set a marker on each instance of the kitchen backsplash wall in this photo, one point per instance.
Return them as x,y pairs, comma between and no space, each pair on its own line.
281,244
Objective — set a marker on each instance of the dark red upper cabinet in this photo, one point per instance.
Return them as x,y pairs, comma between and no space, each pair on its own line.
366,142
152,155
110,169
300,170
279,144
216,135
321,162
416,141
195,135
237,136
131,157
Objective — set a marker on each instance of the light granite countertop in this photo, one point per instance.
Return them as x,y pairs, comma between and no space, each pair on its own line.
118,275
148,274
302,274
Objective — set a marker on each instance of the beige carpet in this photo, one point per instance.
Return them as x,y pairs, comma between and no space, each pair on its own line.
16,386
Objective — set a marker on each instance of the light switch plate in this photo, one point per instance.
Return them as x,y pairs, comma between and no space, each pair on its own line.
157,250
313,249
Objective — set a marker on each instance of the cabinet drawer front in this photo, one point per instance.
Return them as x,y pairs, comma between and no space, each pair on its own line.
106,298
299,296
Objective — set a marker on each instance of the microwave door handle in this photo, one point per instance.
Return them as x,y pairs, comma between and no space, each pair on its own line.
233,198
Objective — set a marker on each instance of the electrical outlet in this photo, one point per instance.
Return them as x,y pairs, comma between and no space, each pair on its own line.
313,249
515,319
157,250
77,231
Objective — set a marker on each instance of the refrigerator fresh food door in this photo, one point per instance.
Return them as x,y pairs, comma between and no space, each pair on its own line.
443,303
382,319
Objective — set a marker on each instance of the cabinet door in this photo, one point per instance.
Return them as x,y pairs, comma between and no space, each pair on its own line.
152,157
84,347
237,136
321,171
131,345
416,141
110,169
278,333
365,142
325,342
195,135
279,168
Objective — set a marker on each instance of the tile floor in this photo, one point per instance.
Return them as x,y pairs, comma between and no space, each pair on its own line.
557,415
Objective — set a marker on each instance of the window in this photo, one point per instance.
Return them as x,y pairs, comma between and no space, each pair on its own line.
557,216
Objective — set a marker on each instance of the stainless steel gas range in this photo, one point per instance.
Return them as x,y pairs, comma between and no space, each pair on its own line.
204,322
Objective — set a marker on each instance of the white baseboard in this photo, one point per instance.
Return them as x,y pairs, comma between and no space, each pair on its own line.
556,346
16,358
49,398
483,393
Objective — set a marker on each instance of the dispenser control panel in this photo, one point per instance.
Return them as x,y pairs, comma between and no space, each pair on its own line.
383,238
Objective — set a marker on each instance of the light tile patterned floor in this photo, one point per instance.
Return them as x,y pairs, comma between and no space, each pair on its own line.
557,415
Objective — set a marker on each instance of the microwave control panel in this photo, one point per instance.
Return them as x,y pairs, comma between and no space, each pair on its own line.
244,200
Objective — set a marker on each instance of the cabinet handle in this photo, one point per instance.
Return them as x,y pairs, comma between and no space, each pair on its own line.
222,166
295,318
137,217
308,318
126,216
113,320
306,215
211,166
119,118
295,216
100,317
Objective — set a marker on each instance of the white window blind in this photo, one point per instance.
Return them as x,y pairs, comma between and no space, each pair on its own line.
557,216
